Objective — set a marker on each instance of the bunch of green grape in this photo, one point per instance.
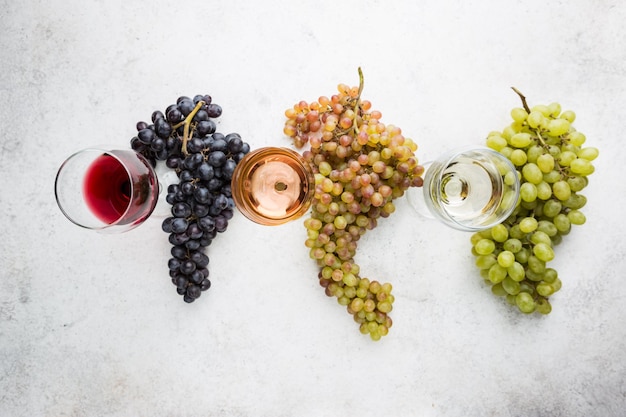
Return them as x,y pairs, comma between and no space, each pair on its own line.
360,166
553,167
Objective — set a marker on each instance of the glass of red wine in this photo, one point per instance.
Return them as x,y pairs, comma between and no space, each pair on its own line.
106,190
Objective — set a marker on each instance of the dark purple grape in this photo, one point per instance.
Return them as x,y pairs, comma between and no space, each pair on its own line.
200,116
177,239
162,128
193,244
156,115
205,284
141,126
219,144
179,225
200,259
207,223
174,264
187,267
186,106
181,210
200,210
185,176
214,110
205,127
228,169
175,115
196,277
217,158
179,252
195,145
221,224
146,136
205,171
187,188
220,201
166,225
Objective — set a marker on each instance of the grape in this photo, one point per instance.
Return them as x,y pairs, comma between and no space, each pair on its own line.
185,137
553,168
361,165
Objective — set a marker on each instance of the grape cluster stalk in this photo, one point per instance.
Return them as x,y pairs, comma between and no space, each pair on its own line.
185,138
553,166
360,165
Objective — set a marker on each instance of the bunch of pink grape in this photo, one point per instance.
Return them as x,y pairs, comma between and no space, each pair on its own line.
361,165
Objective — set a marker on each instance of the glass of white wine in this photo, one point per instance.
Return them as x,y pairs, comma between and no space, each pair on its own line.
469,189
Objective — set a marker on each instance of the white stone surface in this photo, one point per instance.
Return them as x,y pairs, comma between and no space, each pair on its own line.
90,324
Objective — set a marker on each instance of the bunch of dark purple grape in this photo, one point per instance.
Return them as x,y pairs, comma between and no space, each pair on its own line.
185,137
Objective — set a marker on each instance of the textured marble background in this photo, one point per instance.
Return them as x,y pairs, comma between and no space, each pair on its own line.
90,324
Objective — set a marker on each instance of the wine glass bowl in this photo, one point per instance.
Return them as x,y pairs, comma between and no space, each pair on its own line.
470,189
272,186
106,190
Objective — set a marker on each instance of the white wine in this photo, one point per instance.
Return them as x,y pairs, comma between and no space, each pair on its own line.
466,189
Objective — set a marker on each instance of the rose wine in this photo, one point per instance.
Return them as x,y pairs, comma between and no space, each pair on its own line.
118,188
272,186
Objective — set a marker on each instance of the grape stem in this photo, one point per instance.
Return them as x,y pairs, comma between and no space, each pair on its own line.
358,99
186,124
525,105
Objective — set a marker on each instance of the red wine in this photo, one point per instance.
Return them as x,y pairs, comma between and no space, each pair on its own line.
119,187
107,188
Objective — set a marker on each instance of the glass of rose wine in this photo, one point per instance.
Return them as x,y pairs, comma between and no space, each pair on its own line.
469,189
272,186
106,190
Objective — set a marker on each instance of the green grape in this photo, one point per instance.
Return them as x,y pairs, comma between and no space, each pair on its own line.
552,207
518,156
496,142
544,190
543,252
485,246
561,190
581,166
499,233
550,275
547,227
506,259
575,202
562,223
520,140
525,302
528,192
539,236
543,306
532,173
516,271
511,286
485,261
558,127
519,114
544,289
576,217
566,158
588,154
498,290
545,162
512,245
497,273
528,225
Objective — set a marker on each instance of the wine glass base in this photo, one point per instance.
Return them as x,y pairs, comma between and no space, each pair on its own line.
166,177
416,198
